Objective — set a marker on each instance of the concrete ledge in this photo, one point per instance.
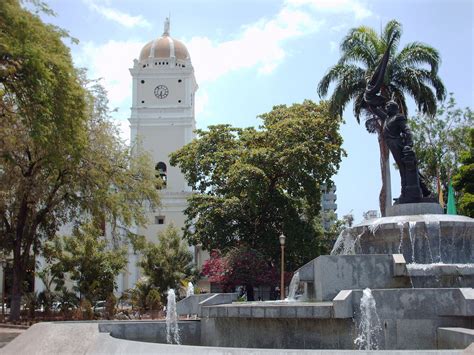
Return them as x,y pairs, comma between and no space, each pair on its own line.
307,272
190,304
322,310
425,270
455,338
399,265
343,304
468,295
193,304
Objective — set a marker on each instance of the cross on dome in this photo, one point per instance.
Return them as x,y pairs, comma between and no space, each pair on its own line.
166,31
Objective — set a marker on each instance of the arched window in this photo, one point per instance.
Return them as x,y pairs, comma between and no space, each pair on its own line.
161,172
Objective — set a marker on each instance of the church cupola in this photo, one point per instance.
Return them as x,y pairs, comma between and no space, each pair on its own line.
164,51
163,77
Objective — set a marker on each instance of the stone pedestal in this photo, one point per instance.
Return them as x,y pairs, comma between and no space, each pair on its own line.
410,209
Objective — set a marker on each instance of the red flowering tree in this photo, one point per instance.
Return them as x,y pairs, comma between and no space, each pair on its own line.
241,266
214,268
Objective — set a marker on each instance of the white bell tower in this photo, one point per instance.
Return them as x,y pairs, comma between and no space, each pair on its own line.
162,121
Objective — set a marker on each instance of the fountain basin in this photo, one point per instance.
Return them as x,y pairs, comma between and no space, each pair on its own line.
152,331
85,338
422,239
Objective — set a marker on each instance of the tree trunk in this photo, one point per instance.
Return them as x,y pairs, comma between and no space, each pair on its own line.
385,196
18,276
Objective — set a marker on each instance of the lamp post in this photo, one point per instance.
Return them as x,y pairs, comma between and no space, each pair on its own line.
282,284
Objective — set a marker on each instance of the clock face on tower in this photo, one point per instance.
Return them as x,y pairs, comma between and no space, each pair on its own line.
161,91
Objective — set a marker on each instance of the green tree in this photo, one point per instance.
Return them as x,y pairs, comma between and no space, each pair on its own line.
413,70
463,182
252,185
89,260
59,154
438,141
168,261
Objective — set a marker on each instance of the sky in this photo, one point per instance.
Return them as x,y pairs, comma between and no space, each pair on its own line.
249,55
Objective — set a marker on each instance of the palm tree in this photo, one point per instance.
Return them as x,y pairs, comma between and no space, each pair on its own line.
412,71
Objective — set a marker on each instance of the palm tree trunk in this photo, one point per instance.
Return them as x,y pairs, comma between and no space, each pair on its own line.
385,196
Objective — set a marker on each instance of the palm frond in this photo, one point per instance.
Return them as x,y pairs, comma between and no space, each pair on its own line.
332,75
339,73
414,77
427,105
361,44
417,53
348,87
414,82
359,104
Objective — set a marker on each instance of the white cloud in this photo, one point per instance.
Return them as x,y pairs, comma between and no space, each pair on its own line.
357,8
110,61
118,16
202,100
332,46
259,45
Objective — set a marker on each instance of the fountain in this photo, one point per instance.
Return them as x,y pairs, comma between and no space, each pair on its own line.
369,327
172,329
294,284
189,289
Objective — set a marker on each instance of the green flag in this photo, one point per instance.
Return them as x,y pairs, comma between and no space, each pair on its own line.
451,200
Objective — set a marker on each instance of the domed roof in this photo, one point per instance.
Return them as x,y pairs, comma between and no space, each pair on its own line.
164,47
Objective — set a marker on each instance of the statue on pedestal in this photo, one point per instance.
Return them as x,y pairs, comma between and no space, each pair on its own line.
397,135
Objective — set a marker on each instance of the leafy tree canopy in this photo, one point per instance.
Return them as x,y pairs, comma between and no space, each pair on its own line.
60,156
168,261
463,181
88,260
254,184
440,139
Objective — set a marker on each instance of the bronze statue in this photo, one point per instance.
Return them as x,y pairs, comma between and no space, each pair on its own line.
397,135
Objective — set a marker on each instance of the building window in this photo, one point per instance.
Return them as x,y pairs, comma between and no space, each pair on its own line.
159,219
161,172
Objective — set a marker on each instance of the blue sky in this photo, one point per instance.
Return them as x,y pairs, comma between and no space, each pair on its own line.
251,55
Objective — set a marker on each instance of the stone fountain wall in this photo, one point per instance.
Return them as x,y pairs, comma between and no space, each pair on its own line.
420,238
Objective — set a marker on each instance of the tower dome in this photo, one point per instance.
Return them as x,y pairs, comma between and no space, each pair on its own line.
164,47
